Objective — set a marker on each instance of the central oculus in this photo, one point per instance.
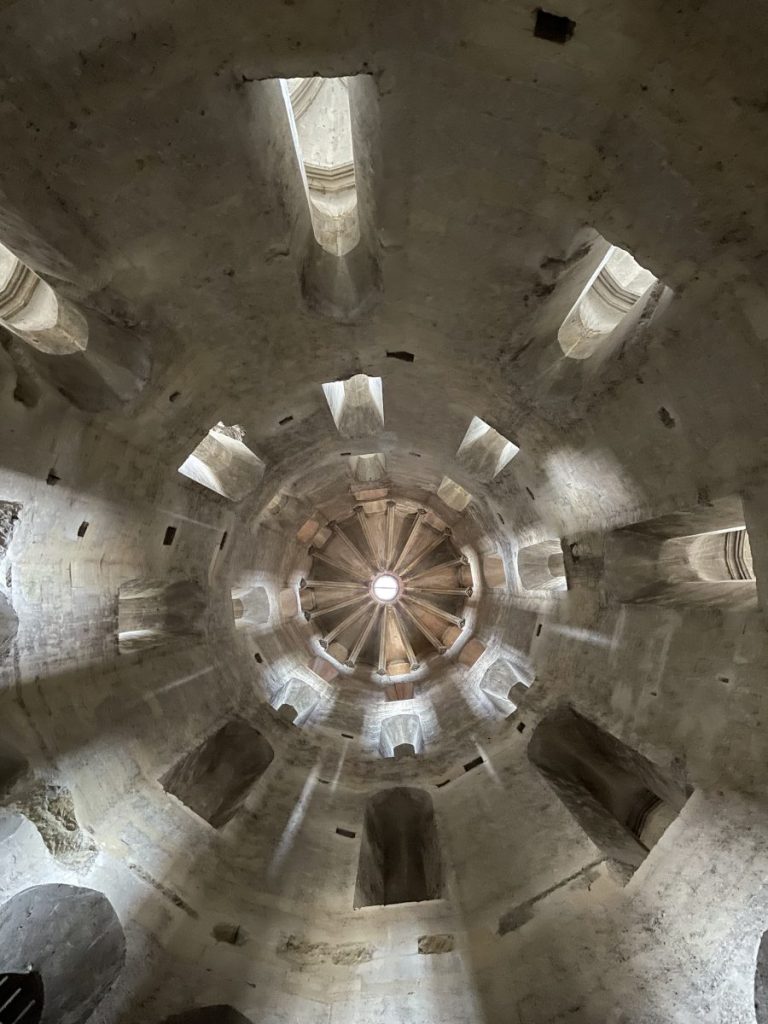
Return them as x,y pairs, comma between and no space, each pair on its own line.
385,588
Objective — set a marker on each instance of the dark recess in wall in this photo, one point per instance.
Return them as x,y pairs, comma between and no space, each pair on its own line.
555,28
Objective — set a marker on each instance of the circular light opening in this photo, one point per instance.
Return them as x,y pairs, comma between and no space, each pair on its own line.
386,587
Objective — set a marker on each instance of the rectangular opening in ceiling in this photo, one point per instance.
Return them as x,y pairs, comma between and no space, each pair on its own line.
346,832
82,528
609,296
474,763
168,537
357,405
224,464
321,127
405,357
453,494
484,452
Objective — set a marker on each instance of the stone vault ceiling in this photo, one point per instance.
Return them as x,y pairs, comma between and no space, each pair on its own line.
296,297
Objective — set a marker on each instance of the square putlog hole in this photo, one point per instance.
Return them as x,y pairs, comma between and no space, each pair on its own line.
555,28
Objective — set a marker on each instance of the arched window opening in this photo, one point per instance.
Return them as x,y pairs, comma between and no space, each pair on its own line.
400,852
222,1014
214,779
296,701
615,287
401,735
57,929
484,452
321,127
541,566
699,556
453,494
32,310
761,981
224,464
152,613
623,801
501,684
250,606
21,998
356,404
368,468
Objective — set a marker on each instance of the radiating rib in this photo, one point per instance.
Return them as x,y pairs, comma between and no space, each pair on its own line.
444,591
391,523
370,540
411,539
337,606
435,543
354,654
433,609
437,568
331,585
352,548
345,624
440,647
413,661
340,566
383,633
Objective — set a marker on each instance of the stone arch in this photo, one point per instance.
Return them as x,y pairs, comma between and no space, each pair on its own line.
58,930
622,800
541,566
401,735
152,612
499,684
250,606
219,1014
296,701
400,859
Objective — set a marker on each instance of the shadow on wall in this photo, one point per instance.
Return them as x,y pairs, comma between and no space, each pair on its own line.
400,852
622,801
71,939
